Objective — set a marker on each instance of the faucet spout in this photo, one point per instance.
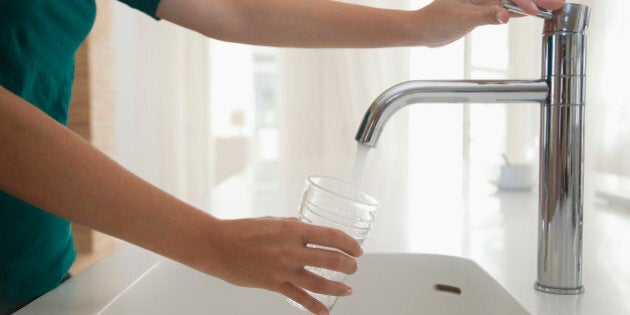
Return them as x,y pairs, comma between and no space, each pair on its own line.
412,92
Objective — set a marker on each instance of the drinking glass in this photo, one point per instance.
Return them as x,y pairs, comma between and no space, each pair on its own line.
336,204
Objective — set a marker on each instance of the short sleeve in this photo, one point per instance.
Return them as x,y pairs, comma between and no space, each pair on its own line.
147,6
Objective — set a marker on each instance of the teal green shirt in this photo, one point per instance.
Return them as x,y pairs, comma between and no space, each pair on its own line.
38,41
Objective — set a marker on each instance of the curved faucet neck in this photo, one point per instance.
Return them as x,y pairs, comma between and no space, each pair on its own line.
415,92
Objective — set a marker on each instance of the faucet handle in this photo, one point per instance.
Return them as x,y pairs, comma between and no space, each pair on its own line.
509,4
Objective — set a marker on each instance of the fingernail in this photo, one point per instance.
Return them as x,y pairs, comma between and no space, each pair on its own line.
348,291
501,17
534,7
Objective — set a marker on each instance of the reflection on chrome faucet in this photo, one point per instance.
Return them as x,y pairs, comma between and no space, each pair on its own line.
561,94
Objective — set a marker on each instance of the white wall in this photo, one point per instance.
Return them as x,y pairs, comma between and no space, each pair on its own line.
608,100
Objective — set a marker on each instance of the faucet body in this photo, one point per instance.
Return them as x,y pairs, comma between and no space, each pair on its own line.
562,152
561,94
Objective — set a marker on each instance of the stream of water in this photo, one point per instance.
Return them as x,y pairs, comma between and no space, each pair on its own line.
358,166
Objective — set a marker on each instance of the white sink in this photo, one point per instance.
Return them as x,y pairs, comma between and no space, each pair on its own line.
395,284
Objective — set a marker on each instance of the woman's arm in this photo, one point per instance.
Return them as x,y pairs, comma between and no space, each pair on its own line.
326,23
50,167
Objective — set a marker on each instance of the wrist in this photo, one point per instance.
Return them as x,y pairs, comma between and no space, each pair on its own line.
208,239
193,237
418,27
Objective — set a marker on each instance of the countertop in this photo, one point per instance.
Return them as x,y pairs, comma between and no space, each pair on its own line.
458,217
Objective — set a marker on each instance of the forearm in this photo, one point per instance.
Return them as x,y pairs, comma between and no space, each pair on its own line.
327,23
295,23
49,166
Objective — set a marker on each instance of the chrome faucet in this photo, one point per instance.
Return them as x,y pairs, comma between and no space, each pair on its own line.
561,94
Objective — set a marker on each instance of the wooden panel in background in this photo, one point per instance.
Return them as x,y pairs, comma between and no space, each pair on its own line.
92,116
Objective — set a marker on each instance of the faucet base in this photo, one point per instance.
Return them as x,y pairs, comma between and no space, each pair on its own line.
560,291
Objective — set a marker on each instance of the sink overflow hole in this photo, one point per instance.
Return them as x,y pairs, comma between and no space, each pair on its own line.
447,288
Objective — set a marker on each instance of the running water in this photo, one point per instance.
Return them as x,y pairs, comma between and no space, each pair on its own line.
359,164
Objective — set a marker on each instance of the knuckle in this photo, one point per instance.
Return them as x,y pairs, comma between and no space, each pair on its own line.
354,267
310,304
335,234
320,286
290,227
334,262
305,300
302,298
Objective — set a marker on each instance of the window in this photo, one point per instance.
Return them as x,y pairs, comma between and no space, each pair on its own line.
243,89
266,103
446,139
487,57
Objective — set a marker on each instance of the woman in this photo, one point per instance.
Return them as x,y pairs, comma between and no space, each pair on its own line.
49,176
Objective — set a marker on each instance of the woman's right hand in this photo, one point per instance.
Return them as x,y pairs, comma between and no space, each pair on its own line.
271,253
445,21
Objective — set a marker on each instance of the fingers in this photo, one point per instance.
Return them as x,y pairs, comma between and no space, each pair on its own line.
550,4
485,2
329,237
529,6
314,283
489,12
495,15
301,297
330,260
502,16
488,15
533,6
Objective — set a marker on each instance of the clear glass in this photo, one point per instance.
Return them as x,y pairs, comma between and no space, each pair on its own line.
337,204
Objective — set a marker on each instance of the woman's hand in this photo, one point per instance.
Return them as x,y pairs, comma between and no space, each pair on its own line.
445,21
271,253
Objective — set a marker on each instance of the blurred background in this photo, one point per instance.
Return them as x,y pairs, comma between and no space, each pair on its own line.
191,111
195,116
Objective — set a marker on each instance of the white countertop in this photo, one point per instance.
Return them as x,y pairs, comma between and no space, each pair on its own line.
496,230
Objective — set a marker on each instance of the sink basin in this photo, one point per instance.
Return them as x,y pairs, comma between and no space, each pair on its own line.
396,284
